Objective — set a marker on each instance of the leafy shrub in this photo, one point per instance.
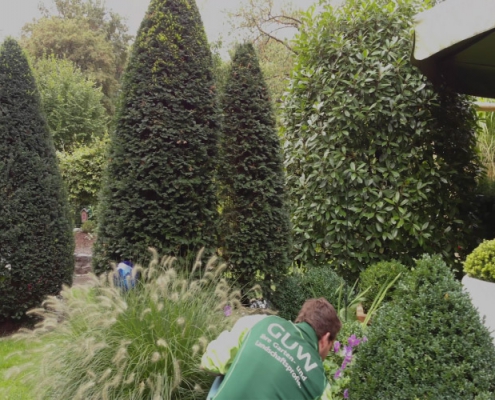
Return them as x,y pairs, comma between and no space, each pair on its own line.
480,263
377,275
159,187
341,358
36,238
82,172
373,170
142,344
429,342
289,296
254,224
88,226
293,290
71,102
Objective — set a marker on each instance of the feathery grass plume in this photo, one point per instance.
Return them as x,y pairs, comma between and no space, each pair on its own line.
138,344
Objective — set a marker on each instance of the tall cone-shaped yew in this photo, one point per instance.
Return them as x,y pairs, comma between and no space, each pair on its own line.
36,240
254,225
159,188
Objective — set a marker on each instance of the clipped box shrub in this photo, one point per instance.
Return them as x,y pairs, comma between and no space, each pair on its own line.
145,343
480,263
428,343
374,277
293,290
289,296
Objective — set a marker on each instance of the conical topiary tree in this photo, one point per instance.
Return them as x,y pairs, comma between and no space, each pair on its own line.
36,242
254,224
159,189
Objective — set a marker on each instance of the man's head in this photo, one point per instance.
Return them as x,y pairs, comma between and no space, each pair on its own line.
322,317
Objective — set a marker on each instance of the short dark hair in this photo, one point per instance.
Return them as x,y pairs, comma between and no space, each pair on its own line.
322,317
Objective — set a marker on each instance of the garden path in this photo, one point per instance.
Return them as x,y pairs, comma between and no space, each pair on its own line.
82,254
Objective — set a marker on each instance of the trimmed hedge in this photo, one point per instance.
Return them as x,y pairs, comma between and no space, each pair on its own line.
254,224
159,187
480,263
428,343
36,240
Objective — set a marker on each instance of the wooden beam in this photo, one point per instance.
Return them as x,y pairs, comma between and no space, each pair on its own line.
481,106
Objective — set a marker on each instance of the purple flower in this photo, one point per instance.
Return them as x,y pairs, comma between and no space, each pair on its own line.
227,310
353,341
338,374
336,346
346,394
365,339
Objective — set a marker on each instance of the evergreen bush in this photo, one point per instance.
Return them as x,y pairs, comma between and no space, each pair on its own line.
146,343
82,172
159,186
289,296
293,290
428,343
36,242
480,263
254,223
380,164
374,277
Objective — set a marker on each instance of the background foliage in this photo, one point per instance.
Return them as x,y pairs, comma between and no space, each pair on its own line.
379,164
429,340
71,103
35,231
85,32
82,171
159,188
254,223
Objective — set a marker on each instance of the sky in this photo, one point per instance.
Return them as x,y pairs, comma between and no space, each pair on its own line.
15,13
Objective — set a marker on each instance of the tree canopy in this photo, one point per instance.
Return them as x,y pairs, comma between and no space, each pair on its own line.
86,33
71,102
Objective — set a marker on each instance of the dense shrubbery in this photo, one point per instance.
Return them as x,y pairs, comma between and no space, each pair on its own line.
36,242
82,172
143,344
72,104
428,343
480,263
376,276
292,290
159,186
254,224
379,165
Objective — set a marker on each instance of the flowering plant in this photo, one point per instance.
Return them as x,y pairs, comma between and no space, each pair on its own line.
338,361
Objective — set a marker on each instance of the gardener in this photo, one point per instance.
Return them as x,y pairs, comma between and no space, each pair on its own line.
267,357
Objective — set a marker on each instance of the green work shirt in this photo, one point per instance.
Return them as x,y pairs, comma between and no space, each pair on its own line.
274,359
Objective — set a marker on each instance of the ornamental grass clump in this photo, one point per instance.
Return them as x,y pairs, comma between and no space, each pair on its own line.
429,342
146,343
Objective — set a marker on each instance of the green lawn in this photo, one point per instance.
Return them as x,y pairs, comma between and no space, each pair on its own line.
15,387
